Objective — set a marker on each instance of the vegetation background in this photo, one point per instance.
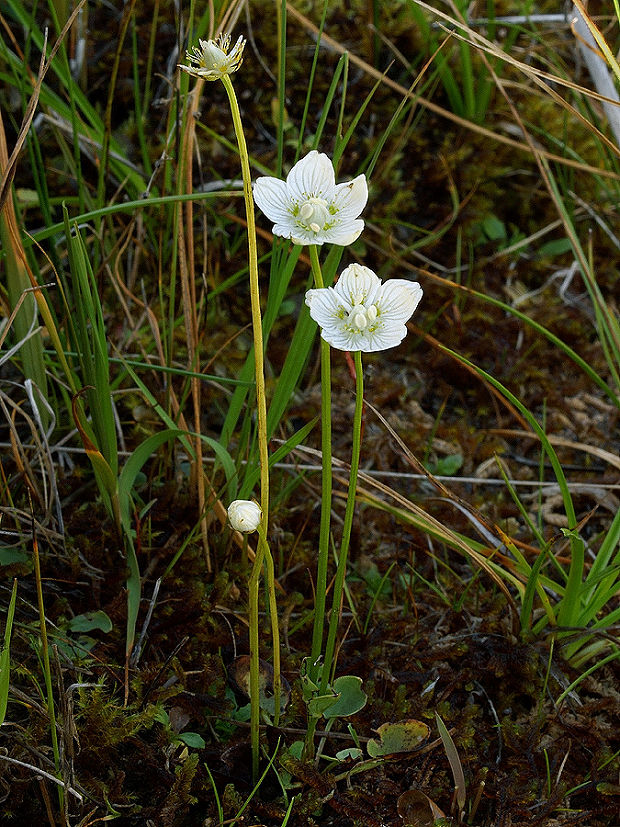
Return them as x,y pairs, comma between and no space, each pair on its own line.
483,579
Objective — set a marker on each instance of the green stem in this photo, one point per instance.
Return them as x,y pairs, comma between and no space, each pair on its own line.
348,523
326,489
263,553
275,632
261,406
254,656
257,323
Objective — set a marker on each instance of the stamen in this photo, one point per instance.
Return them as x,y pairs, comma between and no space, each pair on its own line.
314,214
360,317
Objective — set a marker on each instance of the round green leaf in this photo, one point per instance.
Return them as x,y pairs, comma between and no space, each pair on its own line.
352,697
89,621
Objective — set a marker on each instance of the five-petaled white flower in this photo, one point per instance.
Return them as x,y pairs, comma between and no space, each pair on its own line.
212,59
244,515
309,207
361,313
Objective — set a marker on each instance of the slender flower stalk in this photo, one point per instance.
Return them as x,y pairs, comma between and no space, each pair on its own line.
245,516
253,596
360,314
214,60
334,618
314,668
263,551
326,488
257,322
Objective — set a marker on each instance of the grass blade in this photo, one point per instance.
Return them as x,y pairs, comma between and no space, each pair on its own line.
454,761
5,657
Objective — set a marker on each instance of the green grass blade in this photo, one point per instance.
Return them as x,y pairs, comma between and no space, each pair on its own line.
551,337
315,60
454,761
278,455
88,331
5,657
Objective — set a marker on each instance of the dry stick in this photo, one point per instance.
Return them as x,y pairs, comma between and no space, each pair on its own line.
41,772
188,290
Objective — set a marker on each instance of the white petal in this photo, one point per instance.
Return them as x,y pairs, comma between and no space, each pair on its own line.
385,335
342,340
326,307
238,48
397,299
350,198
312,177
212,55
299,235
271,195
244,515
358,284
287,229
342,233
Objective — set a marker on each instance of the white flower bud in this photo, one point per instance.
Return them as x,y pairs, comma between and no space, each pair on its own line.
244,515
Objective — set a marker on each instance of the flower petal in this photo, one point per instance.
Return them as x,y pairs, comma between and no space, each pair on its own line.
350,198
397,299
342,233
271,195
312,177
287,230
385,335
358,284
212,56
343,339
300,235
327,308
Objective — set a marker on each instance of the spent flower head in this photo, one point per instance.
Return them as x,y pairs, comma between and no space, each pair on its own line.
212,59
309,207
244,515
361,312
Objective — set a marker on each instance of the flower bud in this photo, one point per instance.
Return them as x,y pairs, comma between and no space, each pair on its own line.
244,515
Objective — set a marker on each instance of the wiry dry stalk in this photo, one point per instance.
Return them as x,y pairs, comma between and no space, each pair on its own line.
185,241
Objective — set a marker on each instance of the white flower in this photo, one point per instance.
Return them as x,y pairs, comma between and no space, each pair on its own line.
212,58
361,313
244,515
309,207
